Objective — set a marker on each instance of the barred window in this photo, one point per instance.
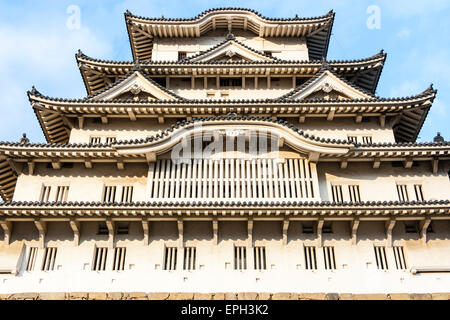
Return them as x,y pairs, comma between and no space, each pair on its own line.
31,261
111,139
367,139
48,263
100,255
45,195
240,258
402,191
329,258
119,258
189,258
353,139
170,258
355,195
61,193
127,194
399,254
380,257
418,192
336,191
95,140
260,262
310,258
109,194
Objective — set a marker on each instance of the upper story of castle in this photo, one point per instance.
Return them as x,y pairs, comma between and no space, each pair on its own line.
236,73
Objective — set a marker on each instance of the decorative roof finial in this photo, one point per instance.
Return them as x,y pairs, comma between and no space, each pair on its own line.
34,91
137,65
439,138
24,139
230,35
325,64
431,88
382,51
128,13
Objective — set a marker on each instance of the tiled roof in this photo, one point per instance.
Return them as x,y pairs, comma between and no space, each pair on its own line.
201,15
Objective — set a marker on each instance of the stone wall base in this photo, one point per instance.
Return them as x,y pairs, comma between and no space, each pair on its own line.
221,296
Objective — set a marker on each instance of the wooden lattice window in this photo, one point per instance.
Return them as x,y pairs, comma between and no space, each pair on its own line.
329,258
310,257
190,256
337,194
400,261
119,258
99,262
380,257
240,258
355,195
31,260
48,263
170,258
260,259
402,191
61,193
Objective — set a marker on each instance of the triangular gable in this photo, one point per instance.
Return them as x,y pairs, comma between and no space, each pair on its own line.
136,85
230,50
327,85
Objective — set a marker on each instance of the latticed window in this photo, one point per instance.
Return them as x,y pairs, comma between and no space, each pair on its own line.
114,193
111,139
400,261
189,260
170,258
48,263
418,191
329,258
232,178
61,193
45,195
336,192
119,258
109,194
402,191
99,262
367,139
380,257
310,257
354,193
31,260
240,258
127,194
95,140
259,256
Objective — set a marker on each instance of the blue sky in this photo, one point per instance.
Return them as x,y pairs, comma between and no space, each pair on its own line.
37,47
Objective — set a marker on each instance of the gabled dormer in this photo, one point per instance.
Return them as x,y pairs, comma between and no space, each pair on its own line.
230,50
327,85
137,86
